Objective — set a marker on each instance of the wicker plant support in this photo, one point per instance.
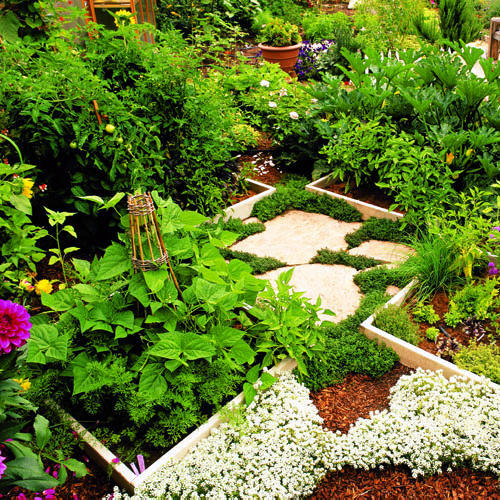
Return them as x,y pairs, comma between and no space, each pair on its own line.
146,237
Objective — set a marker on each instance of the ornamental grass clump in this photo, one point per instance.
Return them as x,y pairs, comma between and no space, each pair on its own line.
14,326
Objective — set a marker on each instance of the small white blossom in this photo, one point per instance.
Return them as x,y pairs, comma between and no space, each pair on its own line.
294,115
264,83
272,104
283,92
314,100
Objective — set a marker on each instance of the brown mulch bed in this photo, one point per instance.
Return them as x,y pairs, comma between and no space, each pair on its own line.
341,405
369,194
240,197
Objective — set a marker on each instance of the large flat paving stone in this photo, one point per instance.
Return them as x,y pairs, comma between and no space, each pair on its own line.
294,237
385,251
333,284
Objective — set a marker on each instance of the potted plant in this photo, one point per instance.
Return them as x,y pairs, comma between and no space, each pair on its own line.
281,43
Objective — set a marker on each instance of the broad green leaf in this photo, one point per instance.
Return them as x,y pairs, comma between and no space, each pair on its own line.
267,380
192,219
225,336
21,203
87,292
59,301
75,466
237,269
249,392
156,279
114,200
242,353
253,374
9,26
46,344
114,262
152,383
186,345
93,198
42,431
82,267
138,289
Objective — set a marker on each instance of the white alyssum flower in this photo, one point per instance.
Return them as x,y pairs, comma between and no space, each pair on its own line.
294,115
272,104
283,92
264,83
281,451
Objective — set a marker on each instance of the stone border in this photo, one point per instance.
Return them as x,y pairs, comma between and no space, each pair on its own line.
367,210
123,475
410,355
243,209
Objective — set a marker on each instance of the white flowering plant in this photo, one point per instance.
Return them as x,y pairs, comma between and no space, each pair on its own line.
280,449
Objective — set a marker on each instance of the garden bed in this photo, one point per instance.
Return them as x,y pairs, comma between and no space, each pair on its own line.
367,209
341,406
123,475
409,354
243,209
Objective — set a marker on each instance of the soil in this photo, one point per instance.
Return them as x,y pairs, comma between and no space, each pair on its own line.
93,486
341,405
236,198
369,194
260,161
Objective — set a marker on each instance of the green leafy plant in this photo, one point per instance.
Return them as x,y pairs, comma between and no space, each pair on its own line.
19,236
425,312
279,33
432,334
478,300
482,359
58,220
318,27
458,20
396,321
380,278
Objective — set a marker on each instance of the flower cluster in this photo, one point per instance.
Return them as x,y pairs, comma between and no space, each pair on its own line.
309,54
277,453
432,423
3,467
14,326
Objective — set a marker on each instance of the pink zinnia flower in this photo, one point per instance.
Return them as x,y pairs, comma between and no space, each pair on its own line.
2,466
14,326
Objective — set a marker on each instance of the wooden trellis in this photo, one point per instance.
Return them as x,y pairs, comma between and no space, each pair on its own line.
148,249
494,43
143,10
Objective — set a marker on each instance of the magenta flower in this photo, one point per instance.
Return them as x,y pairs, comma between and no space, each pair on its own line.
2,466
116,460
14,326
492,270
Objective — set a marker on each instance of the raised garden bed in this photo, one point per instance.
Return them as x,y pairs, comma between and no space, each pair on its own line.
243,209
367,209
411,355
123,475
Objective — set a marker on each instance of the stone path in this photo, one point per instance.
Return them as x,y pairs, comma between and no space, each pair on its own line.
295,237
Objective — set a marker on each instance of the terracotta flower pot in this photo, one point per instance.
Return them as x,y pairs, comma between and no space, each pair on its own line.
286,57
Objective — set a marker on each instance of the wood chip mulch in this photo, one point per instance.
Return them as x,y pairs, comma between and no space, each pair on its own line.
341,405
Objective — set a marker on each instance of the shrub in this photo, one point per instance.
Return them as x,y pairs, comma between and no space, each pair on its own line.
396,321
326,256
380,278
458,21
379,229
318,27
278,33
288,198
481,359
259,265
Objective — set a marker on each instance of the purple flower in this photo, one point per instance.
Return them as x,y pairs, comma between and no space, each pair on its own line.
14,325
2,466
492,270
116,460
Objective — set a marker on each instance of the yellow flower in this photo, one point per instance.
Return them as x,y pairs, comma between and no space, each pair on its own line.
383,104
469,152
397,92
43,286
27,185
24,383
449,158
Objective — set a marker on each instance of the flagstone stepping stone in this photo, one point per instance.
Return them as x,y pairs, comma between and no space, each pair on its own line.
333,284
386,251
295,236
